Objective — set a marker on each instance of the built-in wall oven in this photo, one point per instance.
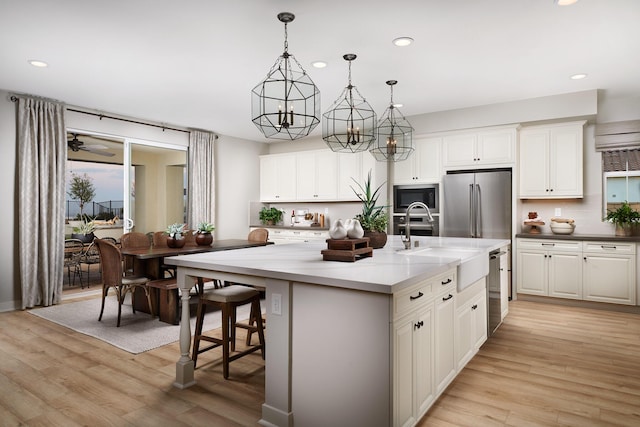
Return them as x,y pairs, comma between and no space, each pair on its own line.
420,226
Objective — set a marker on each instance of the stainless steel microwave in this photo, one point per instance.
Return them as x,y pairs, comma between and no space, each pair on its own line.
404,195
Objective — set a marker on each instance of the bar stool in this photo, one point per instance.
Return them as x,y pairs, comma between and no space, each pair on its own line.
227,299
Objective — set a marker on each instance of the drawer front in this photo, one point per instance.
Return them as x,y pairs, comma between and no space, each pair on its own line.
445,283
622,248
412,298
553,245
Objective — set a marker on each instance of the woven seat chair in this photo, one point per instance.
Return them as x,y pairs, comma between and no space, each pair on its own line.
227,299
133,240
113,277
73,249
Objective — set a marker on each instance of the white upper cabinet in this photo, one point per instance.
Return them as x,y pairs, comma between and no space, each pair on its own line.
489,147
316,175
356,166
423,166
278,178
551,158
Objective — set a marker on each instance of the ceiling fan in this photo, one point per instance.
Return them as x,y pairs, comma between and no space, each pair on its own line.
76,145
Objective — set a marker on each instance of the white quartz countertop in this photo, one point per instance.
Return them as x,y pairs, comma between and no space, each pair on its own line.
387,271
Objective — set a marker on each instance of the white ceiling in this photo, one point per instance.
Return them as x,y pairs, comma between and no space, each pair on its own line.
193,63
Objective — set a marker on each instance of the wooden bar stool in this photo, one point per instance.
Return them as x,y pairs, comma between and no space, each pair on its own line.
227,299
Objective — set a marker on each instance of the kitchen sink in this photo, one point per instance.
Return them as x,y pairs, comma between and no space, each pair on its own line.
474,263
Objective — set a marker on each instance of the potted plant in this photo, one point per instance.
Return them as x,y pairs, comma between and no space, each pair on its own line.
175,237
203,233
84,230
374,219
624,217
270,216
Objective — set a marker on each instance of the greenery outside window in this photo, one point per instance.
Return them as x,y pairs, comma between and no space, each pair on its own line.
621,172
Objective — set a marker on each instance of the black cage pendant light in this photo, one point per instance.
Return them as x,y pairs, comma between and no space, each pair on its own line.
395,135
286,104
350,124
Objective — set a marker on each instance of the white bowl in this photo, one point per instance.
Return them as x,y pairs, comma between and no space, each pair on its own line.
562,227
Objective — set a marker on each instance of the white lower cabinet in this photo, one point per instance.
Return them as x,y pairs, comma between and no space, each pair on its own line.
445,357
550,268
594,271
413,353
471,322
610,272
282,236
423,346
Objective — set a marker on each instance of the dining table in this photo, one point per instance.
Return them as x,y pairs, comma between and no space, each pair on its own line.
148,262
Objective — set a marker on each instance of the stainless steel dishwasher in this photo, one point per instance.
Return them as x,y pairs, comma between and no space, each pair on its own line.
494,312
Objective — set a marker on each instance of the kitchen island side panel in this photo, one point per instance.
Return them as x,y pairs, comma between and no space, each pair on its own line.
340,357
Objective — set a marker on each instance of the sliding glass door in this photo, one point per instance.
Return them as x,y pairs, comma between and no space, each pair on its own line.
155,179
138,185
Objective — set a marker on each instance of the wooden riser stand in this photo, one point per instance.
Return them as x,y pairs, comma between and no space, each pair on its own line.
348,250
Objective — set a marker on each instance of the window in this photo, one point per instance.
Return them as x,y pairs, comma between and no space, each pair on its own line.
621,179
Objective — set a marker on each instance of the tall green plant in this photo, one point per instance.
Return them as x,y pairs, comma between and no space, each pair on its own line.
373,217
81,188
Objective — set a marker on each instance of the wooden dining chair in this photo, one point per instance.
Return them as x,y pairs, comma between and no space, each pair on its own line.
133,240
113,277
160,241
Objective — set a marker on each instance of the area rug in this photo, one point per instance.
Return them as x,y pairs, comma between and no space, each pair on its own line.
137,333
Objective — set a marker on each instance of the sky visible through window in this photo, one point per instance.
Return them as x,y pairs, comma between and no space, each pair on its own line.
107,179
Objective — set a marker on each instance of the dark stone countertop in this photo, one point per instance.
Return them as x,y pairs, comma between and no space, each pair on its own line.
583,237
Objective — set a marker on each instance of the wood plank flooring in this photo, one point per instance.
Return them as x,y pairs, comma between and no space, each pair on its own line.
547,365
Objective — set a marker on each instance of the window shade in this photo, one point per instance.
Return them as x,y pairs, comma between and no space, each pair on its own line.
618,136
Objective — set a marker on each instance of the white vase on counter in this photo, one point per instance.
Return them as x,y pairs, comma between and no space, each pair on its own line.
355,230
337,230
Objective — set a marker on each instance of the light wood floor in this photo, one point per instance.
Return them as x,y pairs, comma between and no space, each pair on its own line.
547,365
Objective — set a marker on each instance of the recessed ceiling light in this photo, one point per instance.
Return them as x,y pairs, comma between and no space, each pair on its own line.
318,64
579,76
565,2
38,63
403,41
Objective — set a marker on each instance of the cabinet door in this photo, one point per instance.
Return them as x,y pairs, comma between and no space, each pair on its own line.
504,284
277,178
534,167
565,275
305,176
479,321
427,160
463,336
317,175
610,278
459,150
404,172
423,350
532,272
403,401
565,161
496,147
444,348
349,166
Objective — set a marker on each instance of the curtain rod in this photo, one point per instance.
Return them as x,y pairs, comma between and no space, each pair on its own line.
105,116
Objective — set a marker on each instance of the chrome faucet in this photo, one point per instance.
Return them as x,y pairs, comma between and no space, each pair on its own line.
406,239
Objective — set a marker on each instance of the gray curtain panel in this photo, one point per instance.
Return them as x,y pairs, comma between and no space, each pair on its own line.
42,155
201,178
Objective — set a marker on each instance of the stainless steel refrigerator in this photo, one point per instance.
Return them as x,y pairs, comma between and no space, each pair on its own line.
476,204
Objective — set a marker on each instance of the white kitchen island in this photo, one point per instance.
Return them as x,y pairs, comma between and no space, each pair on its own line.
331,348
